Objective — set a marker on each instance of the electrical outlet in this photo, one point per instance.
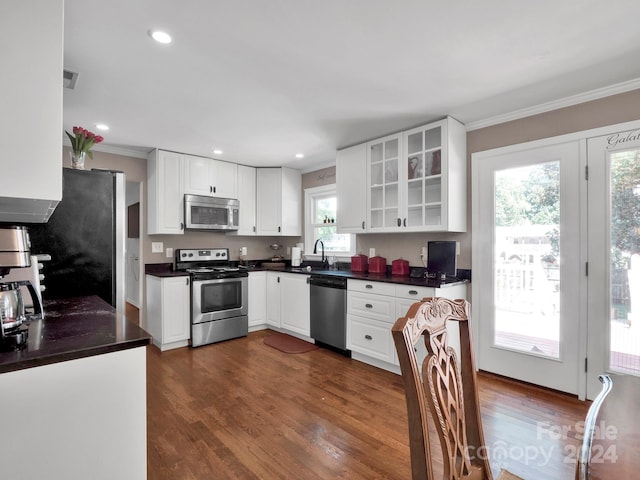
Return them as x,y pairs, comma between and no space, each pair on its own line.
156,247
169,252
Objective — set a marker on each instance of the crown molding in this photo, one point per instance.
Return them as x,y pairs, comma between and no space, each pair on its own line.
126,152
556,104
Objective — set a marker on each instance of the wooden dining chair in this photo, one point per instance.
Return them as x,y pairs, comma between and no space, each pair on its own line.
444,390
583,463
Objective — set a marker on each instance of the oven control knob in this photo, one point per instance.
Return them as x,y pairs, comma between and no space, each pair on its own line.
184,255
191,254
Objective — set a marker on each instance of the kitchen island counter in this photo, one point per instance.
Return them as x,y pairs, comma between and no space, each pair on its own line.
74,328
77,393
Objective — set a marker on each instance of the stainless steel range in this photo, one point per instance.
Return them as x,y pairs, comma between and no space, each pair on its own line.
219,303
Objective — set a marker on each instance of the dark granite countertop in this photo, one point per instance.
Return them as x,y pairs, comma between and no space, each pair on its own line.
166,270
386,278
74,328
163,270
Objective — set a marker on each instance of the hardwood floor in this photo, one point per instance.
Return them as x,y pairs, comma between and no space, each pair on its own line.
132,313
243,410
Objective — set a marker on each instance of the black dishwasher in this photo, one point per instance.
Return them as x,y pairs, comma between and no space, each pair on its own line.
329,312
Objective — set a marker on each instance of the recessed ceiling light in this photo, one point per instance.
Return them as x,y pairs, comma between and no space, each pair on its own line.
160,36
217,152
299,155
102,126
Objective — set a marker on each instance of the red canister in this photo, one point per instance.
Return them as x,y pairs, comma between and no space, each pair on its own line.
359,263
377,265
400,267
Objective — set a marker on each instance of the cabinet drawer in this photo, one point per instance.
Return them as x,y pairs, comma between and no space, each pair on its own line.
378,307
379,288
414,293
371,338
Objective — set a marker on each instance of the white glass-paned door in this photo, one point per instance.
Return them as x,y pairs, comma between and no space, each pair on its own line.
614,255
526,223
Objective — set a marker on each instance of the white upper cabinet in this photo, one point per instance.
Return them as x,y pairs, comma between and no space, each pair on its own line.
165,193
351,189
416,180
434,177
278,202
209,177
383,189
31,121
247,199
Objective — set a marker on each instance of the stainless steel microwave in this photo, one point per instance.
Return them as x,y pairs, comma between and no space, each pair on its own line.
211,213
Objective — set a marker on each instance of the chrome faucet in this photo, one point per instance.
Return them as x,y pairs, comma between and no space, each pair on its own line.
315,252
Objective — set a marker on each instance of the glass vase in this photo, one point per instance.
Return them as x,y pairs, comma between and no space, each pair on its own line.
77,160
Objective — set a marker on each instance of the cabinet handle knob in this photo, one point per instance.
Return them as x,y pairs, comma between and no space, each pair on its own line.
278,279
412,292
368,286
368,337
405,221
399,222
187,280
181,226
368,305
363,224
210,189
279,229
254,229
214,189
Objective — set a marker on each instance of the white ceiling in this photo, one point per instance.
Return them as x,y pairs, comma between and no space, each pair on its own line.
263,80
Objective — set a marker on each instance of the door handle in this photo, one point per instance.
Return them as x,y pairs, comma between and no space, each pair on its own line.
187,280
279,229
363,224
181,226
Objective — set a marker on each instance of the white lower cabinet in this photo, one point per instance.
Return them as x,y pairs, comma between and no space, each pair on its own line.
373,308
295,314
288,303
273,299
168,306
257,300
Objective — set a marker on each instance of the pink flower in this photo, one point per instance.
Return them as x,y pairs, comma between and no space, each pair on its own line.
82,140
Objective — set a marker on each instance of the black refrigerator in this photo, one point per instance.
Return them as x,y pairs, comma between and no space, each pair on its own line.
85,238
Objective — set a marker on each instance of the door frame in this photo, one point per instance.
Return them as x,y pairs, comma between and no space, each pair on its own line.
597,363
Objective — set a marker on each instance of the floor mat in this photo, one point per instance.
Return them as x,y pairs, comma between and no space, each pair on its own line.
288,344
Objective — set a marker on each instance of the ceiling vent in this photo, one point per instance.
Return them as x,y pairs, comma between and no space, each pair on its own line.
69,79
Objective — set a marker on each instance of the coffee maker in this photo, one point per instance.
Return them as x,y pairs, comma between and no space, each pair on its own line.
15,253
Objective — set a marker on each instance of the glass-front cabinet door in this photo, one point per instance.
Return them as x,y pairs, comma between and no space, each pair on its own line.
416,180
423,184
383,168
